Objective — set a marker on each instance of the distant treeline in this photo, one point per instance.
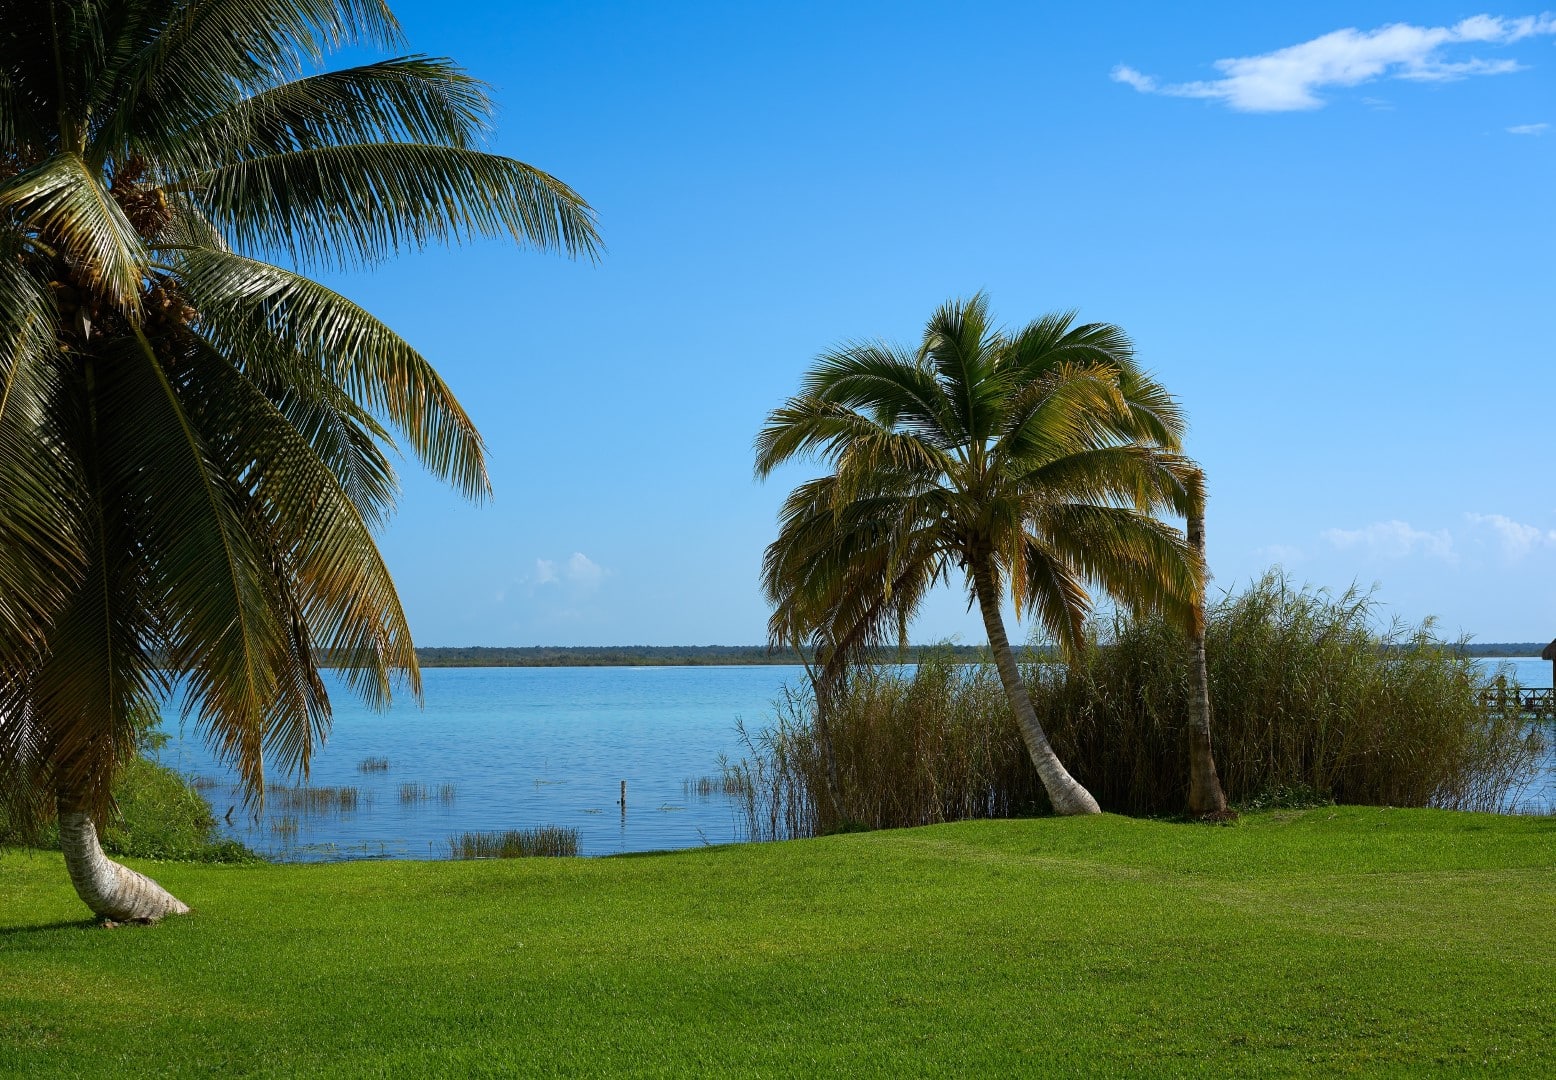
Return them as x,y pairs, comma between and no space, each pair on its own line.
696,655
648,655
1503,648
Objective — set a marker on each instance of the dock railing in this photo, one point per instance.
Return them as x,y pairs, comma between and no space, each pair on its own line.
1527,701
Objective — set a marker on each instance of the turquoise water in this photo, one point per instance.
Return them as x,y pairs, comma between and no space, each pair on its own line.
525,747
522,747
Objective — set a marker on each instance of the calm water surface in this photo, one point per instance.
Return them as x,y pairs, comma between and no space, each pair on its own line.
525,747
522,747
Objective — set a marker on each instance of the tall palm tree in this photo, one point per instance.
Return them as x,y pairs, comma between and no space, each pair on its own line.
193,438
1206,797
1033,462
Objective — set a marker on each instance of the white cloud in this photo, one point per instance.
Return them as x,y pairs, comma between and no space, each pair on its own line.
584,570
1528,129
1517,539
1282,554
1393,540
579,572
1289,79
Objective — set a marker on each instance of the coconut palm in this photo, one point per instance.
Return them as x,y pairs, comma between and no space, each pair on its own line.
1206,797
1034,463
193,438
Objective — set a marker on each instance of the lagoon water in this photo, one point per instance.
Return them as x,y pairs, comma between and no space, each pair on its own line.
526,747
522,747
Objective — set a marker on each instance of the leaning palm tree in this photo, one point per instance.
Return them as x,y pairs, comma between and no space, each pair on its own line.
1206,797
193,438
1034,463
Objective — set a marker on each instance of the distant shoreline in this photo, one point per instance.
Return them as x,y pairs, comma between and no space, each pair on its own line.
745,655
654,655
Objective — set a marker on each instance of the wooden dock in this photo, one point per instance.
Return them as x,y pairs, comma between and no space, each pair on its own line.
1527,701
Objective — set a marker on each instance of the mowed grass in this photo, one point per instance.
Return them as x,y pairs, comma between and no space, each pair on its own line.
1338,940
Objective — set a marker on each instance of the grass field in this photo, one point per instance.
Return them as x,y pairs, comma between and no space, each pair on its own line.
1359,940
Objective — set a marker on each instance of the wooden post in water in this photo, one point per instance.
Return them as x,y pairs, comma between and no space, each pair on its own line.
623,798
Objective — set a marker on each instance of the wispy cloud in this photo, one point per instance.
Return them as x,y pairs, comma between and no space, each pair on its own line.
1283,554
577,570
1516,538
1528,129
1290,79
1394,540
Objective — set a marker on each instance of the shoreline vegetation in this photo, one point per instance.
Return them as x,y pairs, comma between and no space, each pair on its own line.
1312,706
479,656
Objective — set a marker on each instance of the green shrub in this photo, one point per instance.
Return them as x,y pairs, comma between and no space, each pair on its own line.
1310,703
159,816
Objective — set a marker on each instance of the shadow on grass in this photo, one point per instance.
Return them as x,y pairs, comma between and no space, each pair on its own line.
39,928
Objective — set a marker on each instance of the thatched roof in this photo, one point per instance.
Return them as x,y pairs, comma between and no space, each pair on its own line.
1549,652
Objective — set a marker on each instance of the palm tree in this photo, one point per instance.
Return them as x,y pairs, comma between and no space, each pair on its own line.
1033,462
193,439
1206,798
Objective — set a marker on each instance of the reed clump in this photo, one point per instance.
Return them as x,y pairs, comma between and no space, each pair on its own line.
547,841
1308,696
913,747
413,793
313,800
373,765
706,787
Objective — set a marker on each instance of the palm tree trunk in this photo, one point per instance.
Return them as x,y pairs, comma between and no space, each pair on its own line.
1066,794
110,890
829,756
823,685
1205,795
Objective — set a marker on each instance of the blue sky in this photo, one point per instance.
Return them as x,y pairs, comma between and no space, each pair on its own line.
1329,229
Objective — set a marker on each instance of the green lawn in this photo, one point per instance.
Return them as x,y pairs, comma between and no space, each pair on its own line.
1354,940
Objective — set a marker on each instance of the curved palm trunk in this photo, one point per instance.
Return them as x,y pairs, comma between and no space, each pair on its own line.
1205,795
823,689
1066,794
829,755
110,890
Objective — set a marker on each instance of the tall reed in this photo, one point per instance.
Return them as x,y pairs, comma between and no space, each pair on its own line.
313,800
1307,694
545,841
912,749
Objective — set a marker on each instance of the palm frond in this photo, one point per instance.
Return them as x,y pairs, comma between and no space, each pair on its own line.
1067,411
1154,414
891,386
1142,562
222,630
41,557
357,204
195,57
408,99
1132,474
962,347
337,583
62,203
287,330
810,426
1050,590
